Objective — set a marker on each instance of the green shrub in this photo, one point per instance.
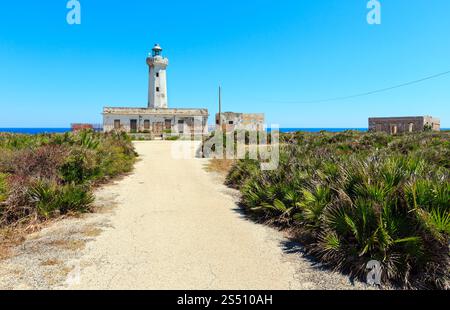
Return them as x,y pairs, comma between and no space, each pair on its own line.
87,139
53,174
75,198
3,187
48,198
79,167
354,197
44,196
241,171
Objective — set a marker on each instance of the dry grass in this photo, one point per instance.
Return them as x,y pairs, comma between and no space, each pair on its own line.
221,166
51,262
91,231
71,245
11,237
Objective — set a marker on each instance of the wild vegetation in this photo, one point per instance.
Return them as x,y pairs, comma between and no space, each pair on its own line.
43,176
354,197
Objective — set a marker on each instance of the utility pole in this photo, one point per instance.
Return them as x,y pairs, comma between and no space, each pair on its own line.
220,107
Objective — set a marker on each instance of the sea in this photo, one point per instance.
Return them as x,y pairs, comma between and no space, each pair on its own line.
33,131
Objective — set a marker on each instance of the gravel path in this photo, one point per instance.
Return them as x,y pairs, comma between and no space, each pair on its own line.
174,226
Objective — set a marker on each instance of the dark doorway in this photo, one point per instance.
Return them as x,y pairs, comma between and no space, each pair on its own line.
168,124
133,125
158,128
147,124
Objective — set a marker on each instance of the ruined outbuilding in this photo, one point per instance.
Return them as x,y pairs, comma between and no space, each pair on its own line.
398,125
230,121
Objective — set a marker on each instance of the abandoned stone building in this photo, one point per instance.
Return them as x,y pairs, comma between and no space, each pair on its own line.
397,125
156,118
231,121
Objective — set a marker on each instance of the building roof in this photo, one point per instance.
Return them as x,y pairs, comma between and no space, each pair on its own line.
149,111
157,47
403,118
235,114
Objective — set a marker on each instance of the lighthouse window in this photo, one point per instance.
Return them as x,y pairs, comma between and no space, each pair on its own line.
157,89
157,74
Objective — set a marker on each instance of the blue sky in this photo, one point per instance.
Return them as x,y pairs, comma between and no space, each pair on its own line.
266,54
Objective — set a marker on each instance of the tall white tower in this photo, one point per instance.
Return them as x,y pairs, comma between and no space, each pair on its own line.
157,83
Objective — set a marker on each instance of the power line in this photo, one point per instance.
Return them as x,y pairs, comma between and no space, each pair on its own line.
370,92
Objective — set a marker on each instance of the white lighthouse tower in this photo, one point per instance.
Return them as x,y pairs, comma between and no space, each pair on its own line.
157,83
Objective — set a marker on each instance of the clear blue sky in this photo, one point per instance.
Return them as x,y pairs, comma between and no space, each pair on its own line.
266,54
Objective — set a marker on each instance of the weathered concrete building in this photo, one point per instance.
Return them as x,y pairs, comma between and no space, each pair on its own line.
231,121
397,125
156,121
157,118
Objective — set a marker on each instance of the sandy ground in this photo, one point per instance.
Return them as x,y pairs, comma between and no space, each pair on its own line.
174,226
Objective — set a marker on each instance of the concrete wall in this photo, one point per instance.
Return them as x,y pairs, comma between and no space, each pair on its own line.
434,123
189,125
241,121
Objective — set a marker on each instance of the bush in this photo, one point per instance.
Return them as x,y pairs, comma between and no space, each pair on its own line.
79,167
240,172
75,198
48,198
42,162
44,197
354,197
54,174
3,187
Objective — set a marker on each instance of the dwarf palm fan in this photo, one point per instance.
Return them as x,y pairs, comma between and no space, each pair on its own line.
277,206
44,197
313,203
87,139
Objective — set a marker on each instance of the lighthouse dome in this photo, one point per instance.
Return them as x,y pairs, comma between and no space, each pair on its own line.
156,50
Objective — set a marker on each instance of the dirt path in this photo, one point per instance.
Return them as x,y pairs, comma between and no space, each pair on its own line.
176,227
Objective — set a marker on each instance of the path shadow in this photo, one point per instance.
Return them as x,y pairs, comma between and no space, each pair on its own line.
291,246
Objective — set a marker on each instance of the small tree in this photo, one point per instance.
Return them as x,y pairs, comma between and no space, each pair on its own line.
427,128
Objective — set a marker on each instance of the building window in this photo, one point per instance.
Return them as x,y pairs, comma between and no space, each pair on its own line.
411,127
117,124
230,122
157,89
157,74
146,124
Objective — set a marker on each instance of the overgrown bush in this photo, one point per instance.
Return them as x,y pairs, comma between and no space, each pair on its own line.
49,174
353,197
48,198
3,187
79,166
42,162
